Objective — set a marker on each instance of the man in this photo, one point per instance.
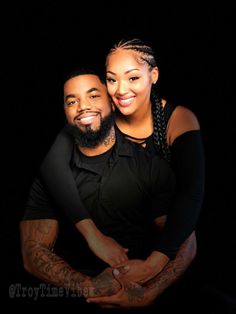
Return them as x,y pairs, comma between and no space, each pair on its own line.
127,192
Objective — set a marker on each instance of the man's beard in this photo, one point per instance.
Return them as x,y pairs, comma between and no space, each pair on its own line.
92,138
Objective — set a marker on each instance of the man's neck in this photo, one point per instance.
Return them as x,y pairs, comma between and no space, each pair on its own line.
107,143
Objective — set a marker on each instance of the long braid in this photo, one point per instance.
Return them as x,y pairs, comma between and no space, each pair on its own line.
146,55
159,126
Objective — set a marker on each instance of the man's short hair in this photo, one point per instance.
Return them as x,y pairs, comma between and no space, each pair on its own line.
84,71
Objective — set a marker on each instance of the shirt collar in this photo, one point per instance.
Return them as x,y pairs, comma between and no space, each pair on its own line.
121,148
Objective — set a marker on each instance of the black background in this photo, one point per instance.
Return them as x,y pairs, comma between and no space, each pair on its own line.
193,43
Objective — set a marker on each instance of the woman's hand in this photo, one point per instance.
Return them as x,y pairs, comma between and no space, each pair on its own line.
140,271
108,250
104,247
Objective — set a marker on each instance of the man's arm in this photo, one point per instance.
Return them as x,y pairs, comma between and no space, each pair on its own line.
175,268
134,295
37,241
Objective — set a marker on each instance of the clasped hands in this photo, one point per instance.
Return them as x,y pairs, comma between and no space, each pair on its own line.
124,285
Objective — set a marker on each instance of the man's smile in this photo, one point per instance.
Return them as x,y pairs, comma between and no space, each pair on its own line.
86,117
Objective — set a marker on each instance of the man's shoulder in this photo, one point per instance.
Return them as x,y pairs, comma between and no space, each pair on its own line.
38,204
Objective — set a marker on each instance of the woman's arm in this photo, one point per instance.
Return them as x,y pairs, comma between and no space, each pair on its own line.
188,163
56,175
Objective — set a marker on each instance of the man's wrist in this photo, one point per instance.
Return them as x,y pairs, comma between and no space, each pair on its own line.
86,287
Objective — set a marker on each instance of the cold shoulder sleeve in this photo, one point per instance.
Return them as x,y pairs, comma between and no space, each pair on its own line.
187,158
57,176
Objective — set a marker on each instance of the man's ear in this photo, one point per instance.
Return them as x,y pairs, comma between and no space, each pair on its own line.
155,75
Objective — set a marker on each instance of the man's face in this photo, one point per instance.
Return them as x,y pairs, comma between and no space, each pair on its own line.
86,102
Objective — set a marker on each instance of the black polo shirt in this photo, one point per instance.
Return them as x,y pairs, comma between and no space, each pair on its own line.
123,189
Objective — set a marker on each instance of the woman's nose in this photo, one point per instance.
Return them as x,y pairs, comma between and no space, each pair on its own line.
122,88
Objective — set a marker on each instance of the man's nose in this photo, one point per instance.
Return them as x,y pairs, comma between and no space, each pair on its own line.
83,105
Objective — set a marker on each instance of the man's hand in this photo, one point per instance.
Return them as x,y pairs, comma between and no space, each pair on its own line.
105,284
130,295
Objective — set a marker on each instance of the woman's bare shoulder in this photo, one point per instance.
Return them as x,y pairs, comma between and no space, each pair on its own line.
182,120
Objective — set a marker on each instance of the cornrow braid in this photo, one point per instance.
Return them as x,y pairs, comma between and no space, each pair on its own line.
147,54
159,123
159,126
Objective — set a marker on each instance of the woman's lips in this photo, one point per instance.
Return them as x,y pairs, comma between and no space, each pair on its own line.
125,102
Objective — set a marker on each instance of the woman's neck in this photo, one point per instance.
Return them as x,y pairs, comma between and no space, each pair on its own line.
140,126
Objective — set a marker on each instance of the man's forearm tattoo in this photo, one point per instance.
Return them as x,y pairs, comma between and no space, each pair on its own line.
175,268
47,265
104,284
134,293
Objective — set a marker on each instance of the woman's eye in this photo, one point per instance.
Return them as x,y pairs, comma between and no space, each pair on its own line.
110,80
134,78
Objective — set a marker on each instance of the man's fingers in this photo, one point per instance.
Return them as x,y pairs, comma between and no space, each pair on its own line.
109,306
102,300
111,300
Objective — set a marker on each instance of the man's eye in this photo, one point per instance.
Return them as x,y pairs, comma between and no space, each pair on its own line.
95,96
71,103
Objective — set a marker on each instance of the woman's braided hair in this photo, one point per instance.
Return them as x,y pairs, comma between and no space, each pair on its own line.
159,124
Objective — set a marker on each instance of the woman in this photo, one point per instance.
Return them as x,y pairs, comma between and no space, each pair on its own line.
160,127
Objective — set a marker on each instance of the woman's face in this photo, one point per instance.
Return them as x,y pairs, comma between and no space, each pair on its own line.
129,81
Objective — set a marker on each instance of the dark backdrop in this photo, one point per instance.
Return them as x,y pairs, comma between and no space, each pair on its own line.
193,43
